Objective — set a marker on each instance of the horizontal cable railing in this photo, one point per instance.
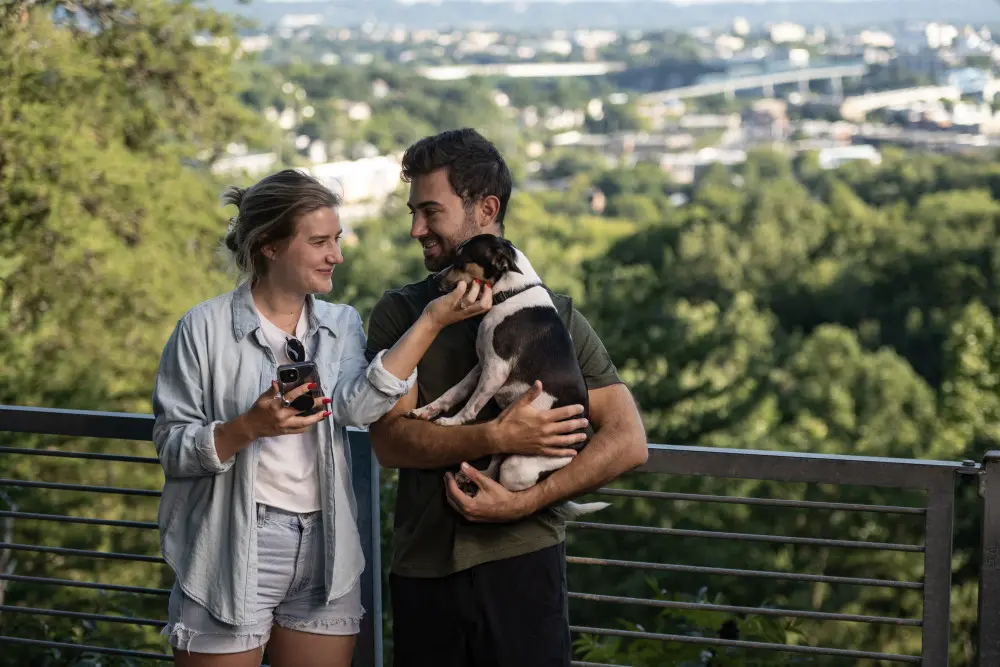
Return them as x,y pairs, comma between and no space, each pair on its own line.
933,482
129,427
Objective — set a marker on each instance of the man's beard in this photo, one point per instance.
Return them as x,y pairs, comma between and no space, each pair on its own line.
446,259
435,264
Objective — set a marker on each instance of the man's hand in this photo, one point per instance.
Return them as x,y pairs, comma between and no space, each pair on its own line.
492,502
523,429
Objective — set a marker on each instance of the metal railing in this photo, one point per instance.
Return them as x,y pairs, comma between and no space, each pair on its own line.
933,483
935,479
121,426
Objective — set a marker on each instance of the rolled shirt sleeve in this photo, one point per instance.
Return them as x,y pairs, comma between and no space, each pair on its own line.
183,434
365,391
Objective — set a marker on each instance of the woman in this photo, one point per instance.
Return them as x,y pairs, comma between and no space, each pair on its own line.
258,517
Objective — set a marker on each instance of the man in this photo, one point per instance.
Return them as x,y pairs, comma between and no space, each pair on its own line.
481,580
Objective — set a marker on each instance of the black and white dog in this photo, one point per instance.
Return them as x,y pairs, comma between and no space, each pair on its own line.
521,339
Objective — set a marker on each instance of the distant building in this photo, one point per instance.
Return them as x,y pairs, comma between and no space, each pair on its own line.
255,43
835,156
251,164
783,33
766,120
295,21
974,81
940,35
684,168
363,184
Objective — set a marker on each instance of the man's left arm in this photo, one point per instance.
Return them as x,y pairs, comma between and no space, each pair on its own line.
618,444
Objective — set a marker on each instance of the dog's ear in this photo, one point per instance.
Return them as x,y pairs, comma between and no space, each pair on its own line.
506,259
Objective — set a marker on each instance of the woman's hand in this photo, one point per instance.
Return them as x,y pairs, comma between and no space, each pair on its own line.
269,417
460,304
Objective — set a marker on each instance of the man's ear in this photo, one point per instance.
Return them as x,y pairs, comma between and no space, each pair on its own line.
489,206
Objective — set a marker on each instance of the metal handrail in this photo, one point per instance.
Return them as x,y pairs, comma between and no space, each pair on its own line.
126,426
936,479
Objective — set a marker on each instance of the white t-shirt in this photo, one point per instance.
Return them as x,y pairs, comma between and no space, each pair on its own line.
288,469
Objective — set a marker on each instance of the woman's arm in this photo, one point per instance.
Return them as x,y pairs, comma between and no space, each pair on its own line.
365,392
187,442
183,435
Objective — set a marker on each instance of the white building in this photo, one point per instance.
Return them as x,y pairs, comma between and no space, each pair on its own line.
835,156
783,33
251,164
364,184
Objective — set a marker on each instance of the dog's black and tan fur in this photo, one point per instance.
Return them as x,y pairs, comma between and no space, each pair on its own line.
520,340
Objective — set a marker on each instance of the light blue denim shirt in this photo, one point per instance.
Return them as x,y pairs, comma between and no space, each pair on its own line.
214,366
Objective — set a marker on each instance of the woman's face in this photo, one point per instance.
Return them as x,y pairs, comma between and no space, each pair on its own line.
304,263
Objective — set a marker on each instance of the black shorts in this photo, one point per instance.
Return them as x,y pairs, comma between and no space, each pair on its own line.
507,613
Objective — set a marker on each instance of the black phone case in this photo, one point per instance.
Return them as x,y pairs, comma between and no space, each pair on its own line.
306,372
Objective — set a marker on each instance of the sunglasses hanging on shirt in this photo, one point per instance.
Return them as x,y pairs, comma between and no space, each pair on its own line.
295,350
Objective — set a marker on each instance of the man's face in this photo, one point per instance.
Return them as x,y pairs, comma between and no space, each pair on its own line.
440,221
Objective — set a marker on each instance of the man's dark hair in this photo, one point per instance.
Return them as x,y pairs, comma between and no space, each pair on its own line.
475,166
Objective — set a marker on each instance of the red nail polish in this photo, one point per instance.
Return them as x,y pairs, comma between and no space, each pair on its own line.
327,401
312,385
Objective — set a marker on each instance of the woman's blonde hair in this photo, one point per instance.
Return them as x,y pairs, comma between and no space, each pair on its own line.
268,211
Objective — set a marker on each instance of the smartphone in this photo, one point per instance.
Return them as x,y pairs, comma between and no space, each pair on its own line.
291,376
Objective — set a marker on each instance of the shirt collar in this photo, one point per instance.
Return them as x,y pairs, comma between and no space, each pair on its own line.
246,321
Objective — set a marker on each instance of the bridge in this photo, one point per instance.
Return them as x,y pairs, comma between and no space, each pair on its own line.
766,82
520,70
855,108
122,613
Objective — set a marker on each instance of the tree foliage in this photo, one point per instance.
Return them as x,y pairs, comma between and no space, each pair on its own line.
780,306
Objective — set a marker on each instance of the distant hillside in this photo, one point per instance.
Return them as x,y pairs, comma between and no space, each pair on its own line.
648,14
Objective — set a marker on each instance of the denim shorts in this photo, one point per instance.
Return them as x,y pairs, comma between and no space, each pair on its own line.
291,592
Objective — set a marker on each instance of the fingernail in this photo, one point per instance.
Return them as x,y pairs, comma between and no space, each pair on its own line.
327,414
464,466
312,385
327,401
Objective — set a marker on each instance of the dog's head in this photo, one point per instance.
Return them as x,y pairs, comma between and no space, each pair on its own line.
485,258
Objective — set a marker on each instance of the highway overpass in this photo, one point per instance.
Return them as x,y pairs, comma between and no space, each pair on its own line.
521,70
765,82
855,108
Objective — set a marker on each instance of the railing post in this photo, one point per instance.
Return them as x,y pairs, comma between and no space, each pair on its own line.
989,566
365,473
6,535
939,535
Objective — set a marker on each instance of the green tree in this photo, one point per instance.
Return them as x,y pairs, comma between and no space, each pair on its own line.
108,233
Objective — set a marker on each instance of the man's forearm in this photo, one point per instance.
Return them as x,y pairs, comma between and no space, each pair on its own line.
616,448
429,445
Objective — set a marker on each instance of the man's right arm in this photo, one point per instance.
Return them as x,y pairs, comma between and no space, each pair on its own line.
402,442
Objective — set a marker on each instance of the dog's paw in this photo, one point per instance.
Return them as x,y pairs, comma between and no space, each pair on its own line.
466,485
450,421
425,413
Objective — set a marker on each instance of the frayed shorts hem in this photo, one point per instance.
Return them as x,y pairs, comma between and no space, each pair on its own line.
187,639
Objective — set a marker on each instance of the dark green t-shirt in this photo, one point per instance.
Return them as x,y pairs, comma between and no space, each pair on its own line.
430,538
